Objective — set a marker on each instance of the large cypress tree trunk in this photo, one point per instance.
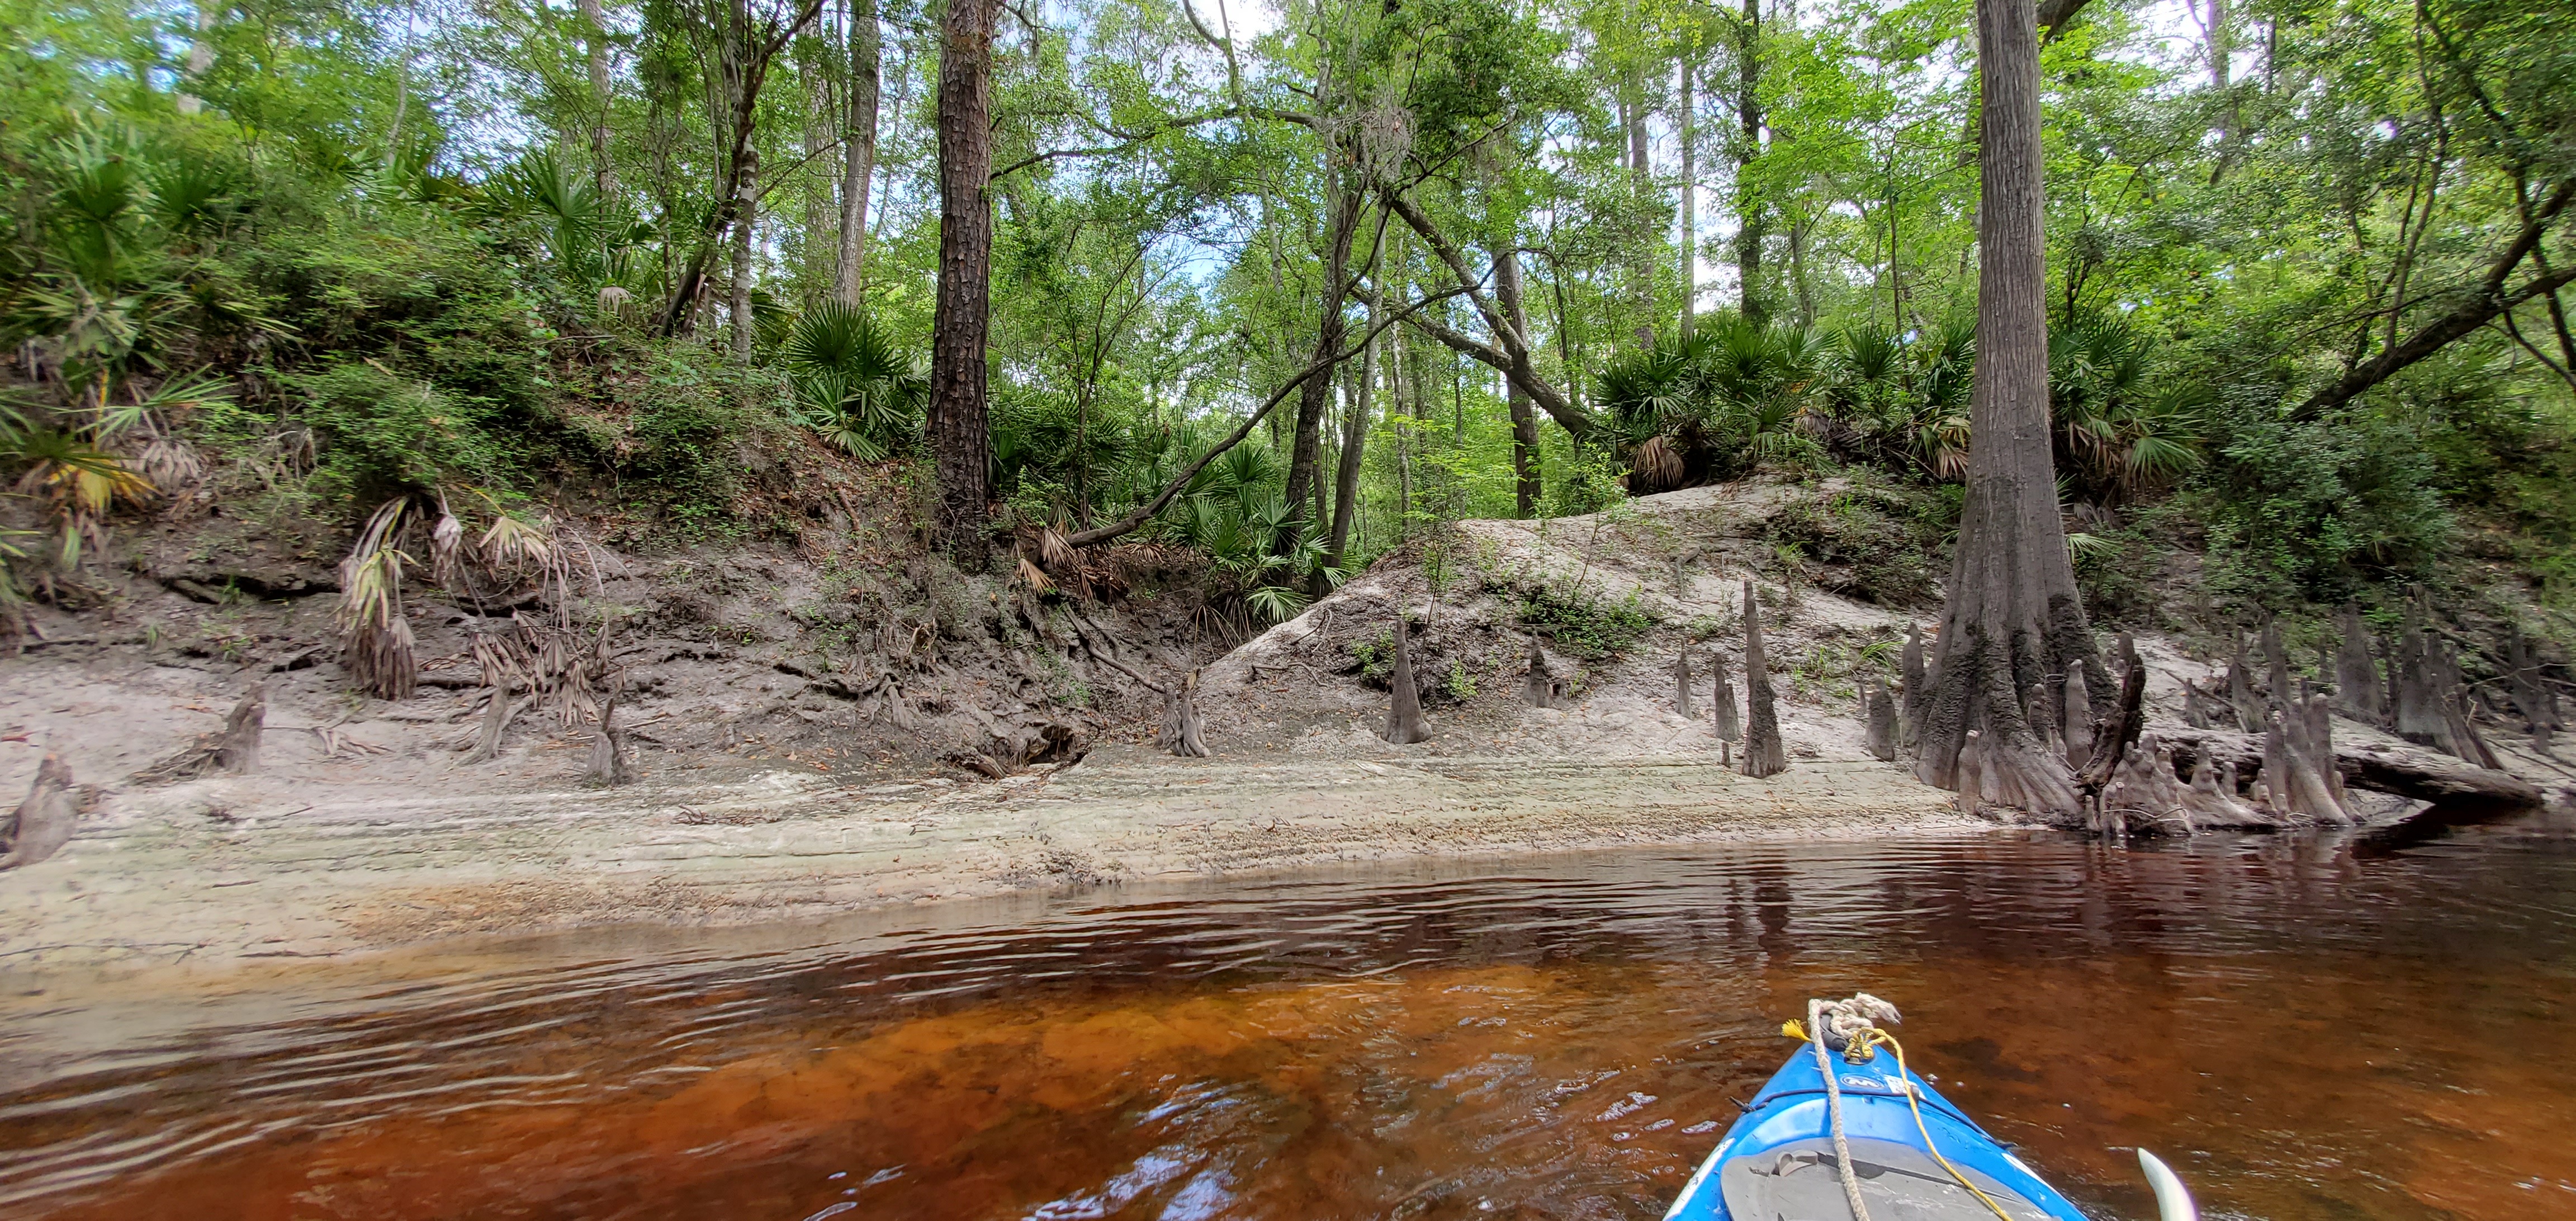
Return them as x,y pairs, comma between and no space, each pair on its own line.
859,155
961,319
2013,620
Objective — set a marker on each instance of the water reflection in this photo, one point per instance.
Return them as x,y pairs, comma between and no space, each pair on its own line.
2304,1031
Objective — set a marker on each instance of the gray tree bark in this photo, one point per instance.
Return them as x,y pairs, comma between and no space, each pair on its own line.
859,153
1525,471
2013,616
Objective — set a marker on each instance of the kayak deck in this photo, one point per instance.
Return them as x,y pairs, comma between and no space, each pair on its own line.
1778,1162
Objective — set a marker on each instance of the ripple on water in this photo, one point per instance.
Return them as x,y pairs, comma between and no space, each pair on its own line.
2304,1030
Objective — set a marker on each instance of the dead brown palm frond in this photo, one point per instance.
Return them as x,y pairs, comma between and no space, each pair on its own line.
1056,551
375,635
1657,466
446,547
1033,578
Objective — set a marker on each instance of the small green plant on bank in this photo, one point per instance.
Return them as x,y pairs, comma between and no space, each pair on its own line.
1588,626
1461,684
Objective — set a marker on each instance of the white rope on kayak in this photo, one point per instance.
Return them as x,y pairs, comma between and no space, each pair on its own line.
1834,1107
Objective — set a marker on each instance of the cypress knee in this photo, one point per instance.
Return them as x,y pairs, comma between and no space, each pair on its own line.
43,822
1882,721
1724,721
1682,685
1404,715
237,751
1539,689
1763,753
1181,725
608,749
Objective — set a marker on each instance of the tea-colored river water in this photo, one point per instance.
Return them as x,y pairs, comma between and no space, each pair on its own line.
2304,1028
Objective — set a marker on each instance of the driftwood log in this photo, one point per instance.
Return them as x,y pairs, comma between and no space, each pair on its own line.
1764,755
2405,771
43,822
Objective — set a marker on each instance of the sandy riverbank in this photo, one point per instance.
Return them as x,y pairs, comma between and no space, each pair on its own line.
357,871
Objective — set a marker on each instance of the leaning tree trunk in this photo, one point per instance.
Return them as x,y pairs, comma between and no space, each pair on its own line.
1315,397
1763,753
961,320
2014,617
1404,725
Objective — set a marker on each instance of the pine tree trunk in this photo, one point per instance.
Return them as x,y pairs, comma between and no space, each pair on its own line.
1764,755
1525,470
2013,617
960,438
859,153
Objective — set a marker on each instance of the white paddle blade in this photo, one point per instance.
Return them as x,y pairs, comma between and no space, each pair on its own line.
2173,1200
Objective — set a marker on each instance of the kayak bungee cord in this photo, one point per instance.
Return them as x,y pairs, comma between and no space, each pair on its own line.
1834,1106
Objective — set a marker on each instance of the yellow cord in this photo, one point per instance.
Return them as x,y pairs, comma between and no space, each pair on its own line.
1874,1036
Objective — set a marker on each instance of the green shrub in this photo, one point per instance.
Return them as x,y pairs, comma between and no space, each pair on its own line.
379,434
1584,624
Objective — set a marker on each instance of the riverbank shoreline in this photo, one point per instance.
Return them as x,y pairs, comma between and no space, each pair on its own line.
351,872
